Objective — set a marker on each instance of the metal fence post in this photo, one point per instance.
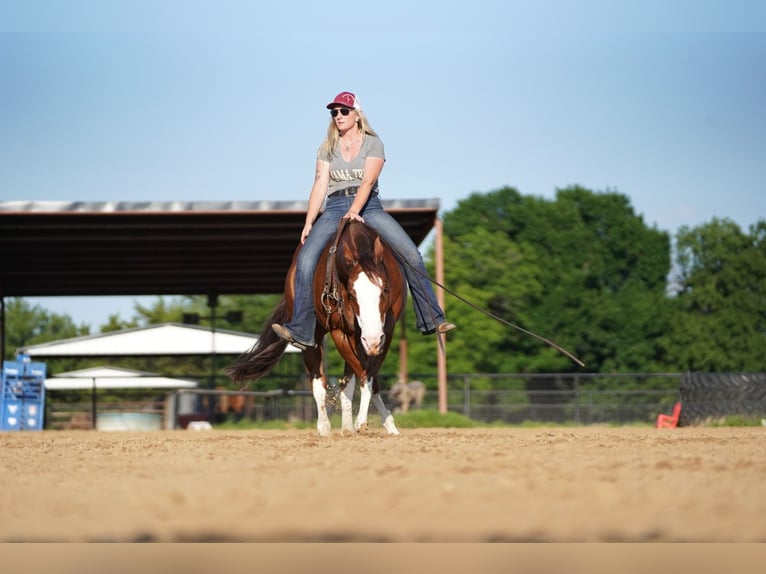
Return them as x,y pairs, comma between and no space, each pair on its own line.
577,397
467,396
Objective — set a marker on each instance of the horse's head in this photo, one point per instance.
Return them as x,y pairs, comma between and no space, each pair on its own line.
368,287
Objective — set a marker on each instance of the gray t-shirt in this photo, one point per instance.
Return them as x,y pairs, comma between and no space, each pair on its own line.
344,173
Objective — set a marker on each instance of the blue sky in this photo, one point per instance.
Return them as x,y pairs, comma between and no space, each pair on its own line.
663,101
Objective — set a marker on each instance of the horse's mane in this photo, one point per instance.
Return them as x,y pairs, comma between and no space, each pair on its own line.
361,240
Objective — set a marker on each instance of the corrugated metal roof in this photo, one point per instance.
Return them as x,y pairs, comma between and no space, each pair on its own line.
56,248
167,339
147,206
114,378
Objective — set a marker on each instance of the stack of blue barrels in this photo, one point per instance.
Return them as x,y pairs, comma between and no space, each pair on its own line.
22,401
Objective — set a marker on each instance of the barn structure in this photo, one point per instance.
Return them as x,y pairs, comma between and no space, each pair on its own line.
60,248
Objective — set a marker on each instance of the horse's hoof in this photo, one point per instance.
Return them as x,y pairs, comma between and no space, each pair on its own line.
390,425
362,428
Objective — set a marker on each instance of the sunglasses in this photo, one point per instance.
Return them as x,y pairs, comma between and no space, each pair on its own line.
343,111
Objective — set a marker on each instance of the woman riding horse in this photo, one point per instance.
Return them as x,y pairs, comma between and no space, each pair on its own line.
348,164
359,292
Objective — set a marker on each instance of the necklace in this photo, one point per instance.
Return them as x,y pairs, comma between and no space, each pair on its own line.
347,144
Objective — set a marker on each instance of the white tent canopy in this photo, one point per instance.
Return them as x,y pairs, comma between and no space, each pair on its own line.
114,378
166,339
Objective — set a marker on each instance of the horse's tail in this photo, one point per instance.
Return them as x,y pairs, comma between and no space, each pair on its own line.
258,361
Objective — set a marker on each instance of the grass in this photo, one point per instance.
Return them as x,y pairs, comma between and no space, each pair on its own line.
434,419
737,421
431,418
413,419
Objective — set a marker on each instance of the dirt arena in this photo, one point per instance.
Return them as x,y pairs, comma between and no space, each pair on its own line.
428,485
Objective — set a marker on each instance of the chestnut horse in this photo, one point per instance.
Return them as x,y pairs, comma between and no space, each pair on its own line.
359,294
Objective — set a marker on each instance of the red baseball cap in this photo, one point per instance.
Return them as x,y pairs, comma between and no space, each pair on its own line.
346,100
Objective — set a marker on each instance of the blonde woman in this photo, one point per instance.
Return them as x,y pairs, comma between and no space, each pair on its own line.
348,165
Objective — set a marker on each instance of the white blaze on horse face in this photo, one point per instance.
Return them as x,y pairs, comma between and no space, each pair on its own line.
368,295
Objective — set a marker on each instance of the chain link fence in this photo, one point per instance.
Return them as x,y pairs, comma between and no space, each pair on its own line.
556,398
562,398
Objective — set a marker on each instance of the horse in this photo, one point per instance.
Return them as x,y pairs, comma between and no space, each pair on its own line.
360,293
406,395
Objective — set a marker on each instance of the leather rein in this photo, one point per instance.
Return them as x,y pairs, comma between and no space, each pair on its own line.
331,297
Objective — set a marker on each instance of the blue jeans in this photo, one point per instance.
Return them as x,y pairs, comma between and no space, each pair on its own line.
428,314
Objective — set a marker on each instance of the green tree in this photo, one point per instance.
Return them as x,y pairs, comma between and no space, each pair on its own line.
254,310
719,319
502,276
27,325
583,270
609,270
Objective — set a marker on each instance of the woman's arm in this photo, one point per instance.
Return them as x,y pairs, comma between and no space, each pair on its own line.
372,168
316,198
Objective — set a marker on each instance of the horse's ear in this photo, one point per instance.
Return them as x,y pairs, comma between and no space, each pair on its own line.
379,249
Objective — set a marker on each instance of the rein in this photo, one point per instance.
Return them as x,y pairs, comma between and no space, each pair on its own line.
331,293
500,319
331,296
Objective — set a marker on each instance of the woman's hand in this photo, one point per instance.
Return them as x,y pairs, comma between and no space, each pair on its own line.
305,232
353,216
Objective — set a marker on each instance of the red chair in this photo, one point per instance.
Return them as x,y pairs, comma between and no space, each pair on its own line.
669,421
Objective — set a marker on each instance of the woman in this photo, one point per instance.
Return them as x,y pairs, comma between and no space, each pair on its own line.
348,164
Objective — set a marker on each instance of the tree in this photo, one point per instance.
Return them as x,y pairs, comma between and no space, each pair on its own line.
583,270
501,277
719,320
27,325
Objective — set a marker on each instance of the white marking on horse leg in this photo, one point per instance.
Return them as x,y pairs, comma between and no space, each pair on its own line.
385,415
320,394
346,404
364,403
368,295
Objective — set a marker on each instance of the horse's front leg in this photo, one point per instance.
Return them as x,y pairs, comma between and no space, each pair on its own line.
319,387
364,404
385,414
346,403
312,358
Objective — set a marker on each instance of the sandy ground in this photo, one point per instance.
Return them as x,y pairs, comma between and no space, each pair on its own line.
428,485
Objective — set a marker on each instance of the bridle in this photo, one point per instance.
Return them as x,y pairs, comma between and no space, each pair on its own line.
331,297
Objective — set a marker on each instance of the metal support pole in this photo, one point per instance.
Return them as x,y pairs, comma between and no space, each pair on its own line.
212,302
2,330
441,357
403,366
93,405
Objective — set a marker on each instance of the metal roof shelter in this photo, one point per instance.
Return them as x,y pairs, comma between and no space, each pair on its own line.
58,248
166,339
114,378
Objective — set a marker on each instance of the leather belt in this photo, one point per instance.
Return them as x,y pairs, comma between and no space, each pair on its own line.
348,191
